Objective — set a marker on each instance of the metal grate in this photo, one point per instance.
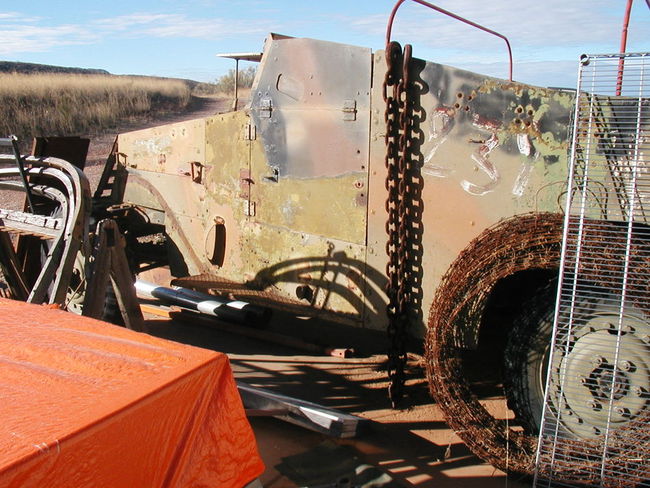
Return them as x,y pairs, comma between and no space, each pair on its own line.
595,428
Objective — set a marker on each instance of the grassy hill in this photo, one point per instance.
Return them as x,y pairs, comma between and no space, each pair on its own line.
31,68
40,100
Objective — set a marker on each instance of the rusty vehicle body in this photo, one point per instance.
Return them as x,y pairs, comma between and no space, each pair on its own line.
286,198
289,193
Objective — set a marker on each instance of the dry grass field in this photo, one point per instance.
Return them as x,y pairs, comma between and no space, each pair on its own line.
48,104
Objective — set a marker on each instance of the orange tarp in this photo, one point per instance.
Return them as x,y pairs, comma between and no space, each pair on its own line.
84,403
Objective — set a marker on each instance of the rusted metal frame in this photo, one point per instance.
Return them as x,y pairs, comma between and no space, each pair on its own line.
122,280
11,269
76,232
51,265
98,276
454,16
12,141
75,205
107,173
110,262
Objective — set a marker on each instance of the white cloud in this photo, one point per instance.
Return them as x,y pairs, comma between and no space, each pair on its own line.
138,25
20,33
528,24
24,37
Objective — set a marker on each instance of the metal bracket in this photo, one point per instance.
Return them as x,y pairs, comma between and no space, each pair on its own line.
196,171
249,132
265,108
349,109
258,401
245,183
274,177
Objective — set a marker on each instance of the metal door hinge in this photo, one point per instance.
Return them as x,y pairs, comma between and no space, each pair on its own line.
249,132
349,109
265,108
249,208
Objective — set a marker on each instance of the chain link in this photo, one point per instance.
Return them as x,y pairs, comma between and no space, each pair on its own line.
399,131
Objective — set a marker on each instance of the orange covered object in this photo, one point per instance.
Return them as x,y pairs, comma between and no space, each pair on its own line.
84,403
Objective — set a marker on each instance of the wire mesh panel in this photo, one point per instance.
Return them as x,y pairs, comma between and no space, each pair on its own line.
595,429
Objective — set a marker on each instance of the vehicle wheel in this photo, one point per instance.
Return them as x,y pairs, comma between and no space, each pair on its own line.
526,357
583,366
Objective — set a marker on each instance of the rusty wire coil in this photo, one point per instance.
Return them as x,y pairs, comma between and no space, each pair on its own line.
524,242
530,241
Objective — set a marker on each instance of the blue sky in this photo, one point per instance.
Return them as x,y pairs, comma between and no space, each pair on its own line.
181,38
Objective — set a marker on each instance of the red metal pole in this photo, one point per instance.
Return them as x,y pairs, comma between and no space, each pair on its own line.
389,28
621,61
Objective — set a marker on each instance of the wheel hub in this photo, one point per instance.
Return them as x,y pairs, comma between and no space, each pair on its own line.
601,374
608,381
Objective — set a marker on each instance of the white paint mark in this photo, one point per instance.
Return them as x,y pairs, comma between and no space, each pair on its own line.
480,157
522,179
523,143
527,149
441,125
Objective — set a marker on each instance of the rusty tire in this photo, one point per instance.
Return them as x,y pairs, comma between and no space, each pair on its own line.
527,354
525,242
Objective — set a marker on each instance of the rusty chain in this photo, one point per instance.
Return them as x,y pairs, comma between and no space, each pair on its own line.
398,133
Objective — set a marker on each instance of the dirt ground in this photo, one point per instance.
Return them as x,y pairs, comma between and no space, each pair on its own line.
413,444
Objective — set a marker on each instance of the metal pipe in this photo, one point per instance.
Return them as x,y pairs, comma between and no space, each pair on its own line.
223,308
234,105
453,16
621,61
12,141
